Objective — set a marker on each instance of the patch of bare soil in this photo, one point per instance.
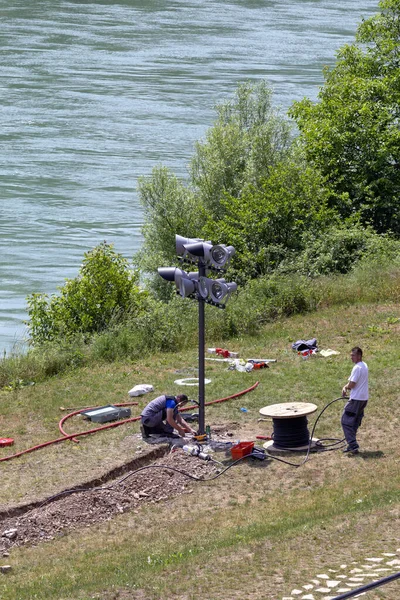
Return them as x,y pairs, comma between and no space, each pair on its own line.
163,479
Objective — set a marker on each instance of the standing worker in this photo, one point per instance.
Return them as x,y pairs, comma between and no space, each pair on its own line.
354,410
165,408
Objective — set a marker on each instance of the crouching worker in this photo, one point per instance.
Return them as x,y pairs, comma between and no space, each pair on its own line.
161,416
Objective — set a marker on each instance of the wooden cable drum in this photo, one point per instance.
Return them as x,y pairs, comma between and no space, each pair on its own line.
290,424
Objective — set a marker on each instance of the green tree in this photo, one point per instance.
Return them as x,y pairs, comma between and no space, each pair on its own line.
267,224
169,207
246,141
105,290
352,133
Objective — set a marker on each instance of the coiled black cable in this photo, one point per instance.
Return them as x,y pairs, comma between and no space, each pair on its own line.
290,433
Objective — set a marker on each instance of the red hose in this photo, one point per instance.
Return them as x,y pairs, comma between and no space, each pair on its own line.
117,424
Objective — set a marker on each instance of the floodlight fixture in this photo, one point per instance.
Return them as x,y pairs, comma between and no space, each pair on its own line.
214,256
215,291
168,273
185,282
180,242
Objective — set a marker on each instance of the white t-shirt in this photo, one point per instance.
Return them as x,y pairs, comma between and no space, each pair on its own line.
359,376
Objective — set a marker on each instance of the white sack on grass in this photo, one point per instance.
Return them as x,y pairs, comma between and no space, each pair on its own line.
139,390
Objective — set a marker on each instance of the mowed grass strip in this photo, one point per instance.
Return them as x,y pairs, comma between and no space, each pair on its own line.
168,549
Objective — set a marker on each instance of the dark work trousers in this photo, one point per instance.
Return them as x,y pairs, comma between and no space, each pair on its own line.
351,420
155,424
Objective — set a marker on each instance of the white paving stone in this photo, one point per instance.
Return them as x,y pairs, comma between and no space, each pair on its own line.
332,583
352,582
375,559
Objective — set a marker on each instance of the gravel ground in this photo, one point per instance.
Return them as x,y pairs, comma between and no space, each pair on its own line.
67,512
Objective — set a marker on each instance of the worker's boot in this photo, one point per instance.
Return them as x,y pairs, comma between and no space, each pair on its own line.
144,431
351,450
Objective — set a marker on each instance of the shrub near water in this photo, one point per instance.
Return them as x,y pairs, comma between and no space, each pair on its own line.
105,290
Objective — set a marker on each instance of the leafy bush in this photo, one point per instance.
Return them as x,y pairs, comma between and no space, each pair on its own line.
163,328
267,224
248,139
352,133
105,291
267,299
169,208
339,250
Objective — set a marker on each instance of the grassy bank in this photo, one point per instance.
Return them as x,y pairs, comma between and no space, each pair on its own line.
262,529
168,327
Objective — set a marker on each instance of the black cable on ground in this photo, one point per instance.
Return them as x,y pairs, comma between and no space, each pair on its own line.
167,468
367,587
306,458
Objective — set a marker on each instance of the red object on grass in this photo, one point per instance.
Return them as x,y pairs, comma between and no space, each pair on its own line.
6,442
242,449
222,352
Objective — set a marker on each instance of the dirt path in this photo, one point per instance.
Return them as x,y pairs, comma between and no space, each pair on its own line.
155,482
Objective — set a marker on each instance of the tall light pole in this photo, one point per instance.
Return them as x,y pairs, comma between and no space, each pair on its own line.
197,286
202,362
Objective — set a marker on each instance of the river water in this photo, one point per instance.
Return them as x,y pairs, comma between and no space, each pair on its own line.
95,94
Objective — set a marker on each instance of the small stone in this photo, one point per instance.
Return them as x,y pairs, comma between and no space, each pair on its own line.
5,569
332,583
10,534
375,559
